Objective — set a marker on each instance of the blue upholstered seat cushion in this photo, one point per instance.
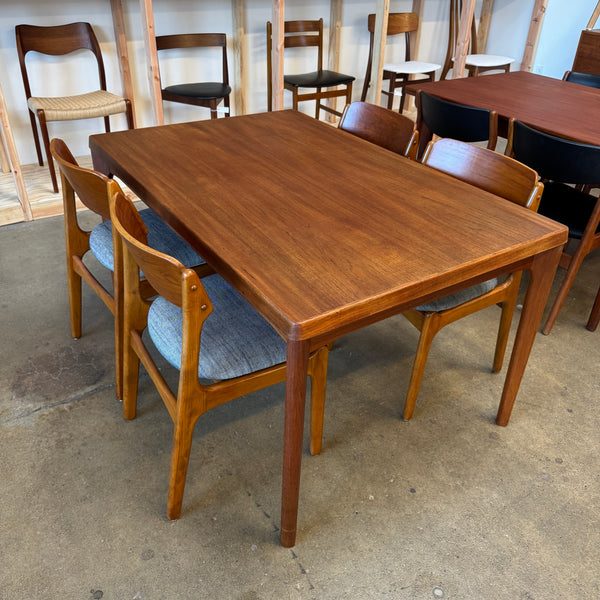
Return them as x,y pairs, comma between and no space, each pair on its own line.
235,340
160,237
459,297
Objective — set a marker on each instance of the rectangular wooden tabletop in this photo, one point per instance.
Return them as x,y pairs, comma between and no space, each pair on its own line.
324,233
320,230
567,109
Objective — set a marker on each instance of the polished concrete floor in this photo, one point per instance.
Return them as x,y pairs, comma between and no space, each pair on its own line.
448,505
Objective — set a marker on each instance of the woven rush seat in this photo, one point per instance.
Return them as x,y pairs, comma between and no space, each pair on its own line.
83,106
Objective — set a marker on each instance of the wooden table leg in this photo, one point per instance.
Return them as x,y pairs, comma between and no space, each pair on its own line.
295,398
541,276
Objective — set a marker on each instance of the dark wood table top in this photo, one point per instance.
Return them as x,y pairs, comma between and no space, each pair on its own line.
567,109
317,228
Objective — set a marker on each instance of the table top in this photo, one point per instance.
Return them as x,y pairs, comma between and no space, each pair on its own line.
567,109
320,230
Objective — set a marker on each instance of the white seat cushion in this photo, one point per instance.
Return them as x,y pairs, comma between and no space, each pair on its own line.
488,60
411,67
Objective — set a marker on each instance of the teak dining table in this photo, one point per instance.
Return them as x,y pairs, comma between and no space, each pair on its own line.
569,110
325,233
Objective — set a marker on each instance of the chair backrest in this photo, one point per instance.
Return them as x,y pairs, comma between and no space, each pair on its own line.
167,276
57,40
196,40
299,34
589,79
397,23
458,121
587,55
381,126
90,186
554,158
487,170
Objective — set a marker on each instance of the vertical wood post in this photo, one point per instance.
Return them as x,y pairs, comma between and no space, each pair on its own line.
533,37
277,53
240,56
462,38
152,60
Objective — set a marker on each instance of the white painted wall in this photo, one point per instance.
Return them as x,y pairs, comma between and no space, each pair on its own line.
510,23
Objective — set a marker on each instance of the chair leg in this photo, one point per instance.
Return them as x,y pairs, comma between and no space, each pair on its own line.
129,114
595,314
74,285
107,124
565,286
318,383
36,139
508,309
180,456
213,109
118,318
226,103
131,370
428,331
44,129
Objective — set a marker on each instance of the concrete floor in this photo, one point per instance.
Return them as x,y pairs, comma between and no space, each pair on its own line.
448,505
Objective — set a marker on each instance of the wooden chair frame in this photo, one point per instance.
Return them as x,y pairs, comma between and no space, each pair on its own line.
198,40
193,398
509,179
308,34
56,41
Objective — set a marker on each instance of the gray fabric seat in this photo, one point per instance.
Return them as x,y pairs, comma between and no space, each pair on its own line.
160,237
457,298
235,341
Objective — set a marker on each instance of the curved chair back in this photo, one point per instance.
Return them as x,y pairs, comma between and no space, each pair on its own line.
457,121
381,126
90,186
487,170
554,158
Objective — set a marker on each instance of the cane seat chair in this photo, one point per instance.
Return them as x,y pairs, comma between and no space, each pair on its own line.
561,162
221,346
92,189
503,177
386,128
326,84
445,119
209,93
476,62
56,41
398,74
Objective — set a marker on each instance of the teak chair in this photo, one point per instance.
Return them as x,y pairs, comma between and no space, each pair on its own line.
208,94
475,63
378,125
398,74
445,119
561,162
299,34
93,190
503,177
60,40
221,346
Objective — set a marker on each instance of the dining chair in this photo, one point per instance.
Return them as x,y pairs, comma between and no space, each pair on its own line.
445,119
501,176
589,79
222,348
381,126
476,62
93,190
208,94
58,40
326,84
561,162
398,74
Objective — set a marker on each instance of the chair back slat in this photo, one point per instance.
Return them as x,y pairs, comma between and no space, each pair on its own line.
164,273
397,23
380,126
88,185
487,170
